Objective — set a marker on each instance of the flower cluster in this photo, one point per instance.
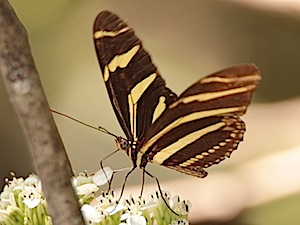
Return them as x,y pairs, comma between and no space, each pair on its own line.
137,211
22,202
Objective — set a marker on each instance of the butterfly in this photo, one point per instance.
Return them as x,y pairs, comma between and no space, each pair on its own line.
186,133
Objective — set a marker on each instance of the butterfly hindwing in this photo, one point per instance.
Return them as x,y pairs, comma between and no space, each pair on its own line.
202,126
135,87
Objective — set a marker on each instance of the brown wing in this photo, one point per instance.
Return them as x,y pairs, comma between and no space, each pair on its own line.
202,126
137,92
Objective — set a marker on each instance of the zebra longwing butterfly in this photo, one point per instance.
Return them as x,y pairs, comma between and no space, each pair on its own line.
187,133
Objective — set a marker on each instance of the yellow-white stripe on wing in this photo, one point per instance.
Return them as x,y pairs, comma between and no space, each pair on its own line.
137,92
202,126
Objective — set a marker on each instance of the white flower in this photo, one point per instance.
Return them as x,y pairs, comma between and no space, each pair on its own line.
32,191
105,210
87,189
136,220
167,208
32,181
102,177
22,201
86,186
138,211
31,199
90,214
180,222
82,178
185,207
7,195
111,210
108,203
155,197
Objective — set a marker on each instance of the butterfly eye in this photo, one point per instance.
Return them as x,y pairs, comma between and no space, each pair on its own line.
122,144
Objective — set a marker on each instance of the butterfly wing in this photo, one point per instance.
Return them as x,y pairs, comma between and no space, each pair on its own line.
137,91
202,126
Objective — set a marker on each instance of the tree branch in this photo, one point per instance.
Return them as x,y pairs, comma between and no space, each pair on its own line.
24,86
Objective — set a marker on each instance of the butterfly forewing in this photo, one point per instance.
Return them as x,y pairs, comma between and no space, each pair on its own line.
135,87
187,133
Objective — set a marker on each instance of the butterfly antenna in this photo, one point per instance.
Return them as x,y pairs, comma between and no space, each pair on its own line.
160,191
102,129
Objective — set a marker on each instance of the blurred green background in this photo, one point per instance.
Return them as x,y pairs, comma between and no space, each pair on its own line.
260,184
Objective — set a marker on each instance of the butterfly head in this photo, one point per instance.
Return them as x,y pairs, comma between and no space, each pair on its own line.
130,147
122,144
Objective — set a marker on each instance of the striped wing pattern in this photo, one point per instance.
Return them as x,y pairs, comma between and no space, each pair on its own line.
137,92
187,133
202,126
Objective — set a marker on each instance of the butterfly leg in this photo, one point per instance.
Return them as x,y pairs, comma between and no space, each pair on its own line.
125,180
160,191
101,165
143,182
